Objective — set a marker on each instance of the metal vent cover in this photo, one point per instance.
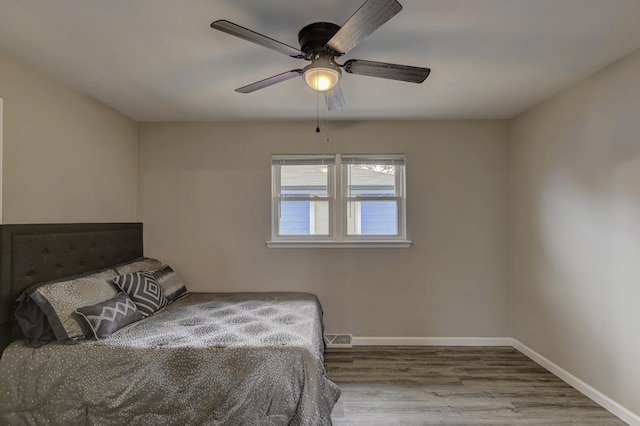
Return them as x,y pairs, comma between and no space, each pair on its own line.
338,340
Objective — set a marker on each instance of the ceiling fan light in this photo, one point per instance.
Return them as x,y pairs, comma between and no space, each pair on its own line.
321,79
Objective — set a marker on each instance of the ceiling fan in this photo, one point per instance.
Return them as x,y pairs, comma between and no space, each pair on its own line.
322,42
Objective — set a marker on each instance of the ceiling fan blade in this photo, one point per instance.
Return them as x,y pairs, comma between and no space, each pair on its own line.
279,78
257,38
371,15
334,98
385,70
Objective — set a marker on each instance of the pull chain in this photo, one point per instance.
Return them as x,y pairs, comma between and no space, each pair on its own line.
317,105
327,125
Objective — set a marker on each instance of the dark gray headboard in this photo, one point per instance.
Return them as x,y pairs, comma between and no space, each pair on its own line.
30,254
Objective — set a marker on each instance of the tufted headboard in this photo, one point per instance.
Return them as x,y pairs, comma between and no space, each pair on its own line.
30,254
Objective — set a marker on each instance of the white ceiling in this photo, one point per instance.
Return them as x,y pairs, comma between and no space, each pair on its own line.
159,60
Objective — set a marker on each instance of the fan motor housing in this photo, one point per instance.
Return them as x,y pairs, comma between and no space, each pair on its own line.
315,36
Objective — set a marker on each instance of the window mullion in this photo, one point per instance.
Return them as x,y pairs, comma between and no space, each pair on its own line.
275,202
402,193
338,188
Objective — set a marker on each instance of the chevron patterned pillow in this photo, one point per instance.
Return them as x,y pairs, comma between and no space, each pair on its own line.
144,290
109,316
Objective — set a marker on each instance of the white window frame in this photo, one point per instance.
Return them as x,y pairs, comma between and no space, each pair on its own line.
277,160
338,203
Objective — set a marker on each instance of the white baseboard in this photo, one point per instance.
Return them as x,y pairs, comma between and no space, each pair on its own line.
431,341
589,391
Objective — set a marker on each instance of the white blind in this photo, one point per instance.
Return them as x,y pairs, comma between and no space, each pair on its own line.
385,160
302,160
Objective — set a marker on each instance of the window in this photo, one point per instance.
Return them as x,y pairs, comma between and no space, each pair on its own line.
338,200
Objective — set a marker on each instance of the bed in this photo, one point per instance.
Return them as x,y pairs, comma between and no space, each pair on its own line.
206,358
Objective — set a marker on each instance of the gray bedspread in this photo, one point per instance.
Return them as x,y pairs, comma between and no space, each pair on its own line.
206,359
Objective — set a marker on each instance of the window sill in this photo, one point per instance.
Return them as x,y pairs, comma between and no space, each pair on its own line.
341,244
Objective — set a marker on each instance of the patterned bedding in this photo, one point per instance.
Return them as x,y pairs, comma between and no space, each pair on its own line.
206,359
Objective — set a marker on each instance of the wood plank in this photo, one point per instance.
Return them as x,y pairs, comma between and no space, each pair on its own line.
453,386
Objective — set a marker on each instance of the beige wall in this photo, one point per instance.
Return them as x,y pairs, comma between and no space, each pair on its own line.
1,150
67,158
575,226
205,202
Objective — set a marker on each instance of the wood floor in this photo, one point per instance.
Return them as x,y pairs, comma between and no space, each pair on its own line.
453,386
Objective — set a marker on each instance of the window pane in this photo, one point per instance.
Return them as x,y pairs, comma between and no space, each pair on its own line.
304,180
371,180
304,218
372,218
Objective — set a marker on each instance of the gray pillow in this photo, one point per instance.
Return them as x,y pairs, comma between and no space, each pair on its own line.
59,300
32,324
106,317
144,290
139,264
171,283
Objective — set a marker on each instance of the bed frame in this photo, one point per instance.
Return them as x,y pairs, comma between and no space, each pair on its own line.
34,253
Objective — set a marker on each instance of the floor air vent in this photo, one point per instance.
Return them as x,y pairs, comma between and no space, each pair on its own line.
337,340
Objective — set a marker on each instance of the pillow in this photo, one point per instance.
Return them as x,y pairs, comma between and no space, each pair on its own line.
139,264
110,316
171,284
59,300
31,324
144,290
